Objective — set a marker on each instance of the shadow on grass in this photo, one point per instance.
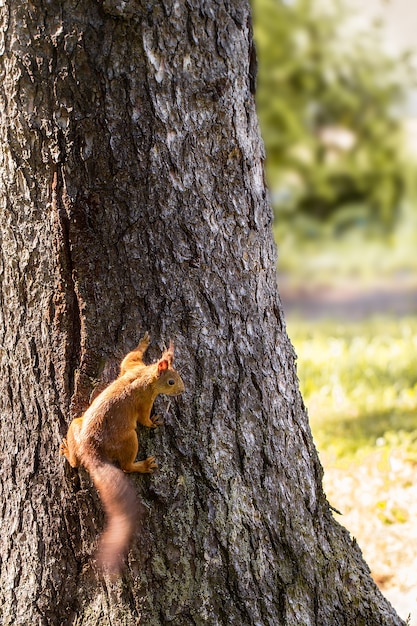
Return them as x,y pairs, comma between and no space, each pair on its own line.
347,436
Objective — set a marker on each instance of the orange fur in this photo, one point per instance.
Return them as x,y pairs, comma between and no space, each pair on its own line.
106,434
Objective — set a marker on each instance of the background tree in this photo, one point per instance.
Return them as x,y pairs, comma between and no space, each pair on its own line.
329,100
132,198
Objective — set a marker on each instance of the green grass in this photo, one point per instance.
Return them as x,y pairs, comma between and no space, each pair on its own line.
359,383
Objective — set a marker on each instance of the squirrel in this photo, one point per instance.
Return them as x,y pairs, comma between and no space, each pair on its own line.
106,434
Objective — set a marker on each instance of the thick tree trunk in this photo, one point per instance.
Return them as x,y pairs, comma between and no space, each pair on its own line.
132,199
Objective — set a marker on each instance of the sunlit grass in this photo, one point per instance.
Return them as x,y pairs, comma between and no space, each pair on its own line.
359,383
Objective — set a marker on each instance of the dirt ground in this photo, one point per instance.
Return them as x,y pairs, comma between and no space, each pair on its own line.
349,301
378,502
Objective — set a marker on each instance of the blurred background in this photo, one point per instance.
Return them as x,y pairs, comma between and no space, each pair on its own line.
337,102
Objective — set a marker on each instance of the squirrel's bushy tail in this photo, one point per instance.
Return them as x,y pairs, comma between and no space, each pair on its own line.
122,511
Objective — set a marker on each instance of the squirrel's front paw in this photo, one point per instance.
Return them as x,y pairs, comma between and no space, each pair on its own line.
157,420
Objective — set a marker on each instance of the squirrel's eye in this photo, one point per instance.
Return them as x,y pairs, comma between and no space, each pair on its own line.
171,381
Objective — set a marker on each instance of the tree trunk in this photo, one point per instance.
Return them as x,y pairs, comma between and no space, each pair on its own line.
132,199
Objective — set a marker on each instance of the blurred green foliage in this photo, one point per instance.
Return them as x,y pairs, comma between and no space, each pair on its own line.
329,101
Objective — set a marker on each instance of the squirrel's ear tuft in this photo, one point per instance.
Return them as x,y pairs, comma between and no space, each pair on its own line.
162,365
168,354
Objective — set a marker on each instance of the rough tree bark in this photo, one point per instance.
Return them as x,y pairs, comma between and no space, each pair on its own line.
132,198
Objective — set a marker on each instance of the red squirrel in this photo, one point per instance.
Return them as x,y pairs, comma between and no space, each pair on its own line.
106,434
